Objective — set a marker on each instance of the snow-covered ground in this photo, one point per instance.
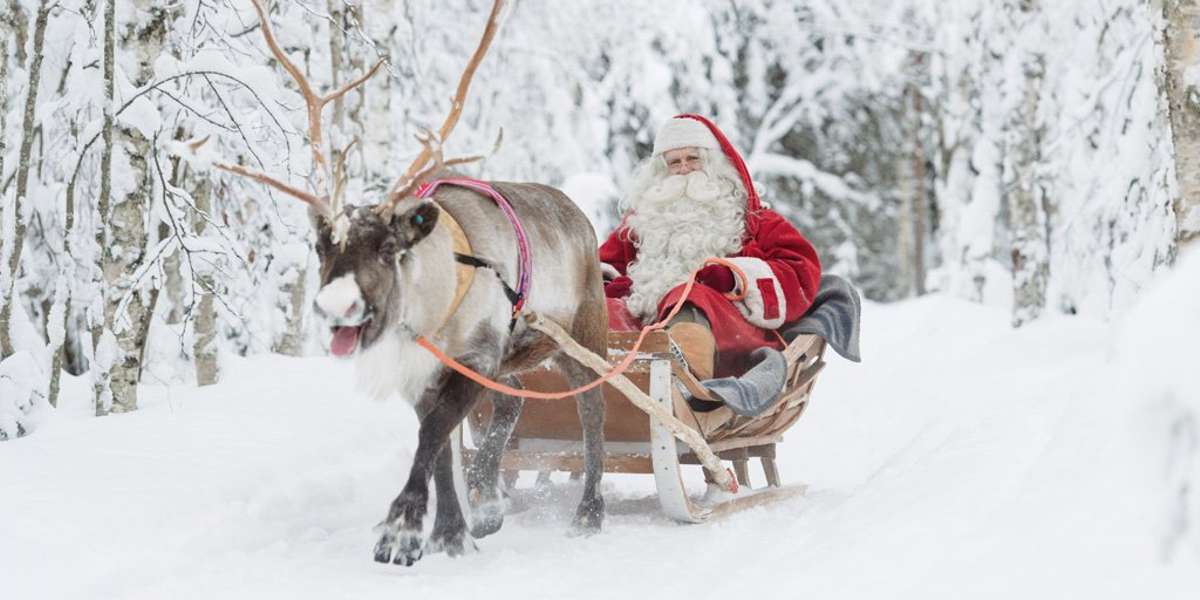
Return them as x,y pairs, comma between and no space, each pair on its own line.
960,460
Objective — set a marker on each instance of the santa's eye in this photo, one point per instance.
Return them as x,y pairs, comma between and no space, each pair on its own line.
687,160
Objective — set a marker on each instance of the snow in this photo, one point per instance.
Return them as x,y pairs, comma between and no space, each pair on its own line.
962,459
55,327
22,395
594,194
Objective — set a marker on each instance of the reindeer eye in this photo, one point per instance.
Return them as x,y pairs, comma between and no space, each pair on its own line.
388,248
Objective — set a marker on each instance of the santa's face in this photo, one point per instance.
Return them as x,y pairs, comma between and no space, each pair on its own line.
682,161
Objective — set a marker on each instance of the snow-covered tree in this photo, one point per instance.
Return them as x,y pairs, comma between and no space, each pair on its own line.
20,197
1026,202
1182,45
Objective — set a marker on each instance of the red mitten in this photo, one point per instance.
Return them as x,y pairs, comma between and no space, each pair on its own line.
618,288
717,277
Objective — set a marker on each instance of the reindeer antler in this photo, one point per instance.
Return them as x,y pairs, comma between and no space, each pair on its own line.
328,197
417,172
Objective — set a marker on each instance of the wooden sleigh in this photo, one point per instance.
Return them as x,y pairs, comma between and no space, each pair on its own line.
650,428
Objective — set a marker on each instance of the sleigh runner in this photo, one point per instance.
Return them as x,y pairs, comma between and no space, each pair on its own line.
547,436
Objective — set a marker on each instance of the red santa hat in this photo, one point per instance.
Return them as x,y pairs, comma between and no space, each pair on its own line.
689,130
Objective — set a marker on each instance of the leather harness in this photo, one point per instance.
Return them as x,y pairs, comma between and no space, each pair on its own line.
468,262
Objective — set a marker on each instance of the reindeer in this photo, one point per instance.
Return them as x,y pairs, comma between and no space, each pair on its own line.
396,271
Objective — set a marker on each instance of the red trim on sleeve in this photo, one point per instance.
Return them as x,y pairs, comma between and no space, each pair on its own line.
766,287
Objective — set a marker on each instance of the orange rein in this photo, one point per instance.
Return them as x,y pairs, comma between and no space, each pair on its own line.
617,370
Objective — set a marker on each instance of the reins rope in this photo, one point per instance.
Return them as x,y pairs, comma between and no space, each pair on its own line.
615,371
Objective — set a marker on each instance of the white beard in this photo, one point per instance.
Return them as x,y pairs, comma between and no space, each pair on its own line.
678,223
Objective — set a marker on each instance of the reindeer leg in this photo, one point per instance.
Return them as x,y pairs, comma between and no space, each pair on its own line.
590,329
448,404
487,515
590,514
449,527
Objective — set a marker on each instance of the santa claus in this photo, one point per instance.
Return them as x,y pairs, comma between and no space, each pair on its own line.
692,200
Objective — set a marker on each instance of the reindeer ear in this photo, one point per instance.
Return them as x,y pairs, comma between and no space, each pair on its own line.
412,225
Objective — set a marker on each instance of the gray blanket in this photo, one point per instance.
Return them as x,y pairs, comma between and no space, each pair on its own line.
835,315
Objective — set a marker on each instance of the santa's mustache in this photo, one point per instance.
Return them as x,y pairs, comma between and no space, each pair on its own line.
697,186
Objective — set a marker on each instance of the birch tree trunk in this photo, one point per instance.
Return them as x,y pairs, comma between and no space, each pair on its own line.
913,192
16,20
173,265
1027,214
102,358
978,222
293,276
921,197
1182,45
3,150
336,44
125,309
23,166
204,349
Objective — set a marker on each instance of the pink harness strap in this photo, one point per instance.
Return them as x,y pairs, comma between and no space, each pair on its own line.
525,260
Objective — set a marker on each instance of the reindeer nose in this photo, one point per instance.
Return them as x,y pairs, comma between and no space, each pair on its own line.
355,309
340,299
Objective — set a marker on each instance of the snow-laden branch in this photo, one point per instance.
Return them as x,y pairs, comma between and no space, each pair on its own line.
797,168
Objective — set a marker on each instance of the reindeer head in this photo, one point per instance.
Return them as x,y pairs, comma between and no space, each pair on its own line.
361,291
363,249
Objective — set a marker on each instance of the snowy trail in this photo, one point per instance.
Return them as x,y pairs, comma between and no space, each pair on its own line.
962,459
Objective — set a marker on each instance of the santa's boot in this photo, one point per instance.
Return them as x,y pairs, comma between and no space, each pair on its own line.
698,345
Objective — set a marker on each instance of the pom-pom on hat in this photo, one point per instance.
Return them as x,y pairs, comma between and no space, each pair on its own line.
684,133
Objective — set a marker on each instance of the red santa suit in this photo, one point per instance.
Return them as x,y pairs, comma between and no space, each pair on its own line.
781,266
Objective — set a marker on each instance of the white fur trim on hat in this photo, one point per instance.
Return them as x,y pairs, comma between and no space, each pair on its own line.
754,305
684,133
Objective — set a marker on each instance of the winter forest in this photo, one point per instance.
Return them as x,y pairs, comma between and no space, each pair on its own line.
1027,169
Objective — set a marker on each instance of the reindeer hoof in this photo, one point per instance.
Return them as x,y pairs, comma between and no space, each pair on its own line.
399,547
588,517
487,513
452,543
487,518
383,548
